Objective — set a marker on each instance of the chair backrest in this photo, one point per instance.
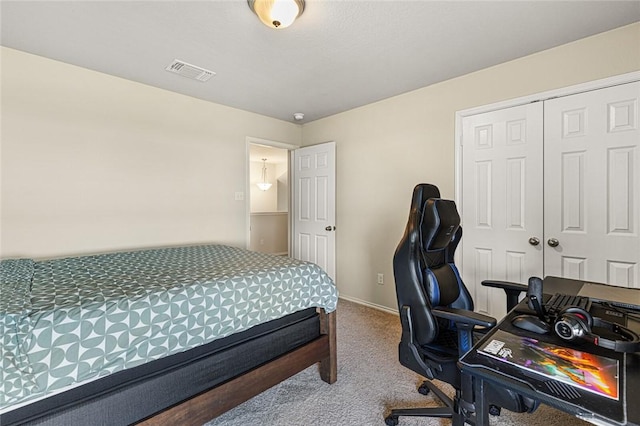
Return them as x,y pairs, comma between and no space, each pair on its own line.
423,264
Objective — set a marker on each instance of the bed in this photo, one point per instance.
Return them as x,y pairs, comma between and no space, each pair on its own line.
160,336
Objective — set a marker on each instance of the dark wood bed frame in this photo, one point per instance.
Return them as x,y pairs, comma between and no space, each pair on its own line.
210,404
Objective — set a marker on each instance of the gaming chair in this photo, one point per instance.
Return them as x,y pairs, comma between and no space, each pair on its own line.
436,309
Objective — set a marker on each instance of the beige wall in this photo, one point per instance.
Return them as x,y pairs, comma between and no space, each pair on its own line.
91,162
385,148
270,233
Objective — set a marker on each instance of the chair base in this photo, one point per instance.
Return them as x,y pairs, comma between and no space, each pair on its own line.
437,412
448,412
440,412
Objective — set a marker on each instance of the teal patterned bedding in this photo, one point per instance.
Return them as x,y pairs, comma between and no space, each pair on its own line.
70,320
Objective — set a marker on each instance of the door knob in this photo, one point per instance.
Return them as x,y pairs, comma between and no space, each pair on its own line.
330,228
534,241
553,242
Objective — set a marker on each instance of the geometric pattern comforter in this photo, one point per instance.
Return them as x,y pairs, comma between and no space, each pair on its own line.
65,321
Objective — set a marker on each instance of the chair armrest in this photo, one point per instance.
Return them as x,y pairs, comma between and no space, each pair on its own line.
512,290
464,317
506,285
465,323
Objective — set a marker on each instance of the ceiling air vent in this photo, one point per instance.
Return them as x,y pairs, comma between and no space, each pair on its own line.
189,71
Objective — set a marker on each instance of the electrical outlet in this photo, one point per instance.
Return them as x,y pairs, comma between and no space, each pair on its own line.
380,279
239,196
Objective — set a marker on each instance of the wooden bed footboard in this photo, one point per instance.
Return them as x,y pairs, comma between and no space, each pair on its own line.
212,403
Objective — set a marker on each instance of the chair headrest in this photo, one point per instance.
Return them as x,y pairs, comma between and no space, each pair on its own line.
440,221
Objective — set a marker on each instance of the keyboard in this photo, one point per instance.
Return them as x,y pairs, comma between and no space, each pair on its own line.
560,301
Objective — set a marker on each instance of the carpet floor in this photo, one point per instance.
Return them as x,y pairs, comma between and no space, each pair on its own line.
371,381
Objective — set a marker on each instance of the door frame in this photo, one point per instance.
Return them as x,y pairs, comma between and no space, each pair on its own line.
542,96
250,140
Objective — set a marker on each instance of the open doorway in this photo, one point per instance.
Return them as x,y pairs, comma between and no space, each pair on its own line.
268,199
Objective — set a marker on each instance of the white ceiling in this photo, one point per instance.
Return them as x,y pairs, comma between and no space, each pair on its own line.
338,55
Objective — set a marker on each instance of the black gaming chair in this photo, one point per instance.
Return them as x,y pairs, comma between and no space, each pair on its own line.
436,310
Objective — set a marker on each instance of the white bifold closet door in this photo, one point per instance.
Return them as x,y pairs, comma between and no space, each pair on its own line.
592,186
501,201
552,188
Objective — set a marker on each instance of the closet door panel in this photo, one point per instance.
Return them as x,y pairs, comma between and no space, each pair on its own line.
501,205
592,186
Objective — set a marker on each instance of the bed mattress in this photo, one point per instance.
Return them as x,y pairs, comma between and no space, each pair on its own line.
130,395
68,321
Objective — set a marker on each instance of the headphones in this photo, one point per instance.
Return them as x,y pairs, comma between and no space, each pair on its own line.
573,323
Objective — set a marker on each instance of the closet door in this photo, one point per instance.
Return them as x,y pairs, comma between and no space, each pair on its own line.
501,201
592,186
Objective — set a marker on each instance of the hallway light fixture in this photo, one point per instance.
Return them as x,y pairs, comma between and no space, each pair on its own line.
263,184
277,14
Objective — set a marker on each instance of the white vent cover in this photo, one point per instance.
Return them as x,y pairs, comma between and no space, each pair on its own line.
190,71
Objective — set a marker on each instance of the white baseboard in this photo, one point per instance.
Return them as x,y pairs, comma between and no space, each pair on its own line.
370,305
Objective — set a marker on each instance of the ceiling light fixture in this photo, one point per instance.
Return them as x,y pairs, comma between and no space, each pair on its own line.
277,13
264,185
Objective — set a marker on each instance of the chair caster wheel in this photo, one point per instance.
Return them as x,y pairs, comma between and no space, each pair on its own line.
424,389
391,421
494,410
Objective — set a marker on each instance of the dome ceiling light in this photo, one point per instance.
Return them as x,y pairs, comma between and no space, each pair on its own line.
277,14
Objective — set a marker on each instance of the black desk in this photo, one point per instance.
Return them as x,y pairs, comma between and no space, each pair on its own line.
584,404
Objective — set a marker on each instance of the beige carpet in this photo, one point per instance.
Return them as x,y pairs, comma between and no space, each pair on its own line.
370,382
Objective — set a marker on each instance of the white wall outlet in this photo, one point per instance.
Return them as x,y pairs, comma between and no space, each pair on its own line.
380,279
239,196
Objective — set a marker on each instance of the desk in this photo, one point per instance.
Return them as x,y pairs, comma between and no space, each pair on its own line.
589,406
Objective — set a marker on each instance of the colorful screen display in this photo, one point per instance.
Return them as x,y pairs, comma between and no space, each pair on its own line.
586,371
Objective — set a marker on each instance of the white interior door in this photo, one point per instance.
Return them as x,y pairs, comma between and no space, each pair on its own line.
592,186
314,201
501,201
